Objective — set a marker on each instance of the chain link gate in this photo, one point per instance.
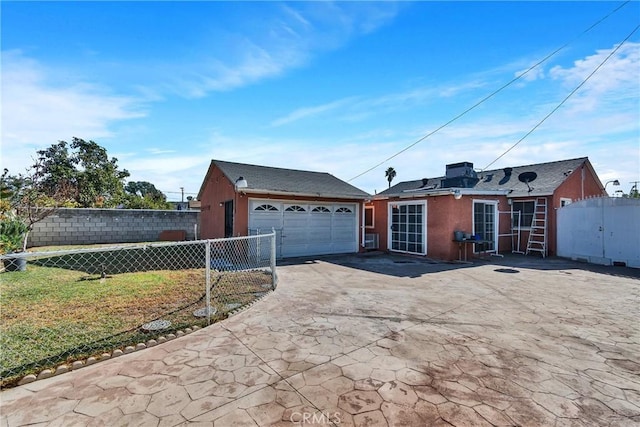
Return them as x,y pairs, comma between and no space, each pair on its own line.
74,304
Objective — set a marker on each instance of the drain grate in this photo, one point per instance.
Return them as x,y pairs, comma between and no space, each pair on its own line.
156,325
202,312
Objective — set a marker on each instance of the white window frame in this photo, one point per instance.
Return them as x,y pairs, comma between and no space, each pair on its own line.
373,217
564,201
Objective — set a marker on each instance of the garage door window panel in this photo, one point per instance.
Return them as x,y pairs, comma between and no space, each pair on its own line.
321,210
266,208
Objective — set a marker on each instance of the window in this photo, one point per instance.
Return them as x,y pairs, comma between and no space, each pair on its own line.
295,208
266,208
525,209
321,209
343,210
564,201
368,217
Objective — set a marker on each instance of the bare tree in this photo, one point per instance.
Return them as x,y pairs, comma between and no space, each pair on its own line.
23,200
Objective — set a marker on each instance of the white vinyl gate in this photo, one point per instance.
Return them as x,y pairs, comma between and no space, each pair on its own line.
603,230
307,228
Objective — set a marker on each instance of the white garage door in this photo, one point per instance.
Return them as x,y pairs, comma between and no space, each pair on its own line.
307,228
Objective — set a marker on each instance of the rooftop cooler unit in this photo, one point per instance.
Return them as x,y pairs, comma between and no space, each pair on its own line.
460,175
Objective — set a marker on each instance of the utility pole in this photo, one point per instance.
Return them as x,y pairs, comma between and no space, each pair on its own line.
182,192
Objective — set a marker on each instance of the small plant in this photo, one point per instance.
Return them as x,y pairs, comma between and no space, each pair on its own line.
12,235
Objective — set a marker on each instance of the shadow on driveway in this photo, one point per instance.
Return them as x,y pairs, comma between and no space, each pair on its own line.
400,265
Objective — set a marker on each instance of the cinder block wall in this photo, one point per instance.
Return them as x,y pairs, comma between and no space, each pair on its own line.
93,226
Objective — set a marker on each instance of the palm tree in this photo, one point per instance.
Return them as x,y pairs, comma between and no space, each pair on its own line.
390,173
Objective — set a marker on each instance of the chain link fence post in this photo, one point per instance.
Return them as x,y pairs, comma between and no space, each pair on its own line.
274,277
207,278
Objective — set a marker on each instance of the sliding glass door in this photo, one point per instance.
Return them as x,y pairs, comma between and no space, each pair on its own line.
485,224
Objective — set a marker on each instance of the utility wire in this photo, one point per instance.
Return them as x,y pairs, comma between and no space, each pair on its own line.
595,70
491,95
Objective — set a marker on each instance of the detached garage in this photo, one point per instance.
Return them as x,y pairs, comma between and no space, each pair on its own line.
313,213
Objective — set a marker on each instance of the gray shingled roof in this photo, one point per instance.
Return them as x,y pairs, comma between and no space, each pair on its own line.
264,179
550,176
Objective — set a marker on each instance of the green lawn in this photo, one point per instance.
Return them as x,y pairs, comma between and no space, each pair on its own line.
52,315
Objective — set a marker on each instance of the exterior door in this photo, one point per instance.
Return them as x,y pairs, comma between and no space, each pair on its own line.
228,218
408,227
485,224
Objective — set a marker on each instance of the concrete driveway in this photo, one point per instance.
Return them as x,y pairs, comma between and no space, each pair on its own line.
381,340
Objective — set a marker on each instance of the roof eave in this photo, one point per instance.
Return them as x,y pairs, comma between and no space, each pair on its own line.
442,192
527,194
251,191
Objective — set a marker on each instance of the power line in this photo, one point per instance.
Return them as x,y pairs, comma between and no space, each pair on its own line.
491,95
595,70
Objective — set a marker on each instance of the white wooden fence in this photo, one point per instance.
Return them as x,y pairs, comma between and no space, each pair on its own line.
601,230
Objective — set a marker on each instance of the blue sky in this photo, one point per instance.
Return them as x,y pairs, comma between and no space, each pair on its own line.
336,87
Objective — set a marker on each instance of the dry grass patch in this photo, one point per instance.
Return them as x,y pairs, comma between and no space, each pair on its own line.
54,315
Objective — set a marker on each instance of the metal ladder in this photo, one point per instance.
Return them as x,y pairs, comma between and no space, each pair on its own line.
538,235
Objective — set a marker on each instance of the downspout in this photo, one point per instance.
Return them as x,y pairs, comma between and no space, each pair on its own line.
582,182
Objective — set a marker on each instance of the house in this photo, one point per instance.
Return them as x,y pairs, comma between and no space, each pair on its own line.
313,213
499,208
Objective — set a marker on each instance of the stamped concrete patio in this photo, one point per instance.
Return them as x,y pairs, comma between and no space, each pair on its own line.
381,340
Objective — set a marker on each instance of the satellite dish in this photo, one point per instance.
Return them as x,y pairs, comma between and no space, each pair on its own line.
527,177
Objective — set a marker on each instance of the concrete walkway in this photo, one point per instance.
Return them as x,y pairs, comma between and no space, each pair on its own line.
381,340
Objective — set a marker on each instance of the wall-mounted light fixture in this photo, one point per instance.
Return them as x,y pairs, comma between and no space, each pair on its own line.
615,182
457,194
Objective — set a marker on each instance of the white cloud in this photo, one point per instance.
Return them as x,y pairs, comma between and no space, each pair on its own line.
617,77
36,112
359,108
287,38
305,112
531,75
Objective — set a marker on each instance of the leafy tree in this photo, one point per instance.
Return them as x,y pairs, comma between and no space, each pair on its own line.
390,173
84,166
144,195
